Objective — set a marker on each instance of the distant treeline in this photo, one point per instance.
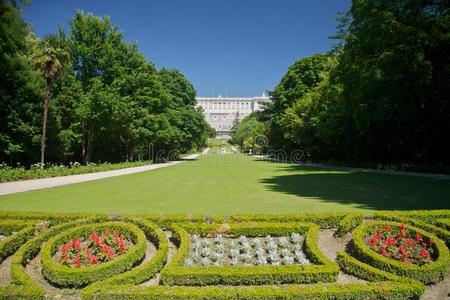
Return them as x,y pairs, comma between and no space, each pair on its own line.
106,101
381,96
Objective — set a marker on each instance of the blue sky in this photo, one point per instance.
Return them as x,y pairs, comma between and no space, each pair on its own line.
239,47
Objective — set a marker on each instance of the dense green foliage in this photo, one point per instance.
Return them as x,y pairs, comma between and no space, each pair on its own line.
382,96
35,171
105,100
249,133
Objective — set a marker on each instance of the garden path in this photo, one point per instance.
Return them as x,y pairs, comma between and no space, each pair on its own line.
43,183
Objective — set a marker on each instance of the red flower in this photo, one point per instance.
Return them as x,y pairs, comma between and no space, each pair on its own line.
93,260
418,237
424,253
431,241
391,241
76,262
76,243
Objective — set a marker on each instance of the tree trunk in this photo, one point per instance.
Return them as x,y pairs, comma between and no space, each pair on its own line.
44,121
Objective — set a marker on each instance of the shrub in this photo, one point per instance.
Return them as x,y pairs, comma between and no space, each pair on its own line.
61,275
321,291
429,273
348,223
444,223
23,231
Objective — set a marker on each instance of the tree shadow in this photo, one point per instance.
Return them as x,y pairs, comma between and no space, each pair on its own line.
364,190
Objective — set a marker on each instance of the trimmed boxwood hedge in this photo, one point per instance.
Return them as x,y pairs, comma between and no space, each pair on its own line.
139,274
444,223
348,223
430,273
325,220
24,230
425,224
177,274
323,291
64,276
24,287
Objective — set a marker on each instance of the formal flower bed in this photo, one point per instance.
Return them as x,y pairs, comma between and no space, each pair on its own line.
92,250
401,244
247,251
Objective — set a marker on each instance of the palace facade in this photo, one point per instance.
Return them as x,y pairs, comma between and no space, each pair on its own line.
223,112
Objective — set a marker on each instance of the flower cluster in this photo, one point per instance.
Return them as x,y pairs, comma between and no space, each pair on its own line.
92,250
401,244
247,251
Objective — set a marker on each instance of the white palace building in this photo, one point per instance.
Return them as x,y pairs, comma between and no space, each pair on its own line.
222,112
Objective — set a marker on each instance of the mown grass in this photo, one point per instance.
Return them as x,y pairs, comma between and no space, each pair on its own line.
232,183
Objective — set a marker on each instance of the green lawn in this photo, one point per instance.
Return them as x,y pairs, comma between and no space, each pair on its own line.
228,184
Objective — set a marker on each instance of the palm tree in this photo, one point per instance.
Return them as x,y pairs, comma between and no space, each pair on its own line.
49,57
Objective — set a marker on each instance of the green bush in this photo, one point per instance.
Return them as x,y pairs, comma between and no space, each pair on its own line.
444,223
430,273
371,290
64,276
427,216
52,218
348,223
176,274
24,287
141,273
25,231
425,225
20,173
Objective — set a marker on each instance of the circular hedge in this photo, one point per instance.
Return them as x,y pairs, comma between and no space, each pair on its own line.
429,273
63,276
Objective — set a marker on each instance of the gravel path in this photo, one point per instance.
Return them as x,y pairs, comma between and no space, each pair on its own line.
43,183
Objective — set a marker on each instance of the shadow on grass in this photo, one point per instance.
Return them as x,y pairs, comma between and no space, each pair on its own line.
364,190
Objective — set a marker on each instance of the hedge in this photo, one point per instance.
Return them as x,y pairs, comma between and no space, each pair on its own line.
430,273
175,273
371,290
325,220
63,276
427,216
348,223
425,225
52,218
24,230
139,274
444,223
24,287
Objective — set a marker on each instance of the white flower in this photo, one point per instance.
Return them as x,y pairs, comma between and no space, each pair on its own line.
296,238
234,253
220,248
195,238
287,260
216,256
260,252
257,243
189,262
234,261
271,246
243,239
283,241
285,252
273,257
205,261
218,239
297,247
262,260
205,251
246,257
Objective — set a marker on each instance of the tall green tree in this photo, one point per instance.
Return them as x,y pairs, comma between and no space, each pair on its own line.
49,58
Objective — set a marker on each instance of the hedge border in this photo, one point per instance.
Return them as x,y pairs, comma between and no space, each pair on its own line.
348,223
175,273
425,225
427,274
444,223
325,219
141,273
23,286
64,276
322,291
25,231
